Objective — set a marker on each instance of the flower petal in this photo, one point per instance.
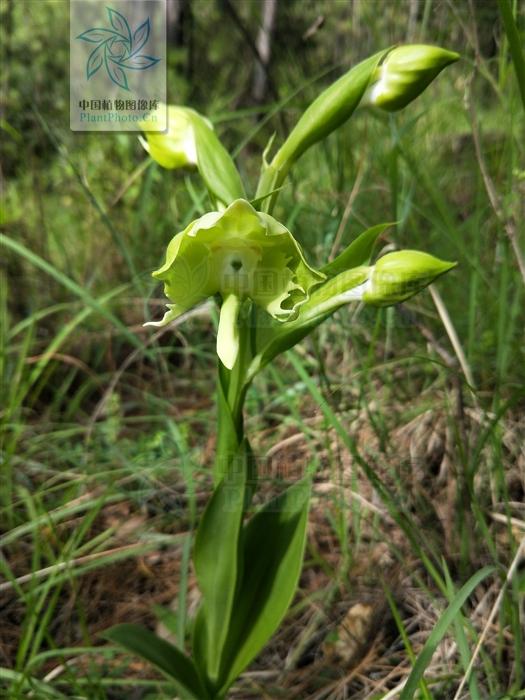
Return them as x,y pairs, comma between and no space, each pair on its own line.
228,332
170,315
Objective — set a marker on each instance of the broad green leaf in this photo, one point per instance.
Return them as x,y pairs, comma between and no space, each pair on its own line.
277,339
217,566
439,631
199,640
357,253
273,547
163,655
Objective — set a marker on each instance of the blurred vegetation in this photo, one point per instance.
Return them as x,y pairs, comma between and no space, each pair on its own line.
96,411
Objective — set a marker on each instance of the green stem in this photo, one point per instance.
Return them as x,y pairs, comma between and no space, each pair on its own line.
513,37
271,179
231,391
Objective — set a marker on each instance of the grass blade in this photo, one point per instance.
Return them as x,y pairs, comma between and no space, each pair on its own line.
515,44
439,632
69,284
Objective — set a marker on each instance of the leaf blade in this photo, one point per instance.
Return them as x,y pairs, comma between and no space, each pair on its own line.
273,549
358,252
116,73
439,631
98,34
140,62
217,576
161,654
119,23
215,164
95,61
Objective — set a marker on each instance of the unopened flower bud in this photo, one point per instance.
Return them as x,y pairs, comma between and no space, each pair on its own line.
332,108
398,276
405,73
191,142
176,147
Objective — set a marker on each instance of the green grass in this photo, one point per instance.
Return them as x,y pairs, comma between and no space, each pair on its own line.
107,431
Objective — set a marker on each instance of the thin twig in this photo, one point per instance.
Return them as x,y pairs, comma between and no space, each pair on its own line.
505,520
348,208
61,565
66,359
451,332
139,170
239,23
494,199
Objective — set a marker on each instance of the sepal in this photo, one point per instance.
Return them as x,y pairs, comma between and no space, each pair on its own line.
228,332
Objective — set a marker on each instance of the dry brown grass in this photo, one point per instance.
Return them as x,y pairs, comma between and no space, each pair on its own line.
340,639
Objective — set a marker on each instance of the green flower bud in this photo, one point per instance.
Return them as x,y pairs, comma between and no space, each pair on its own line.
190,142
240,254
176,147
330,110
405,73
394,278
398,276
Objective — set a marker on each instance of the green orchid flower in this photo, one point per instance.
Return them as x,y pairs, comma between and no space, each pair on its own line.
241,254
248,563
